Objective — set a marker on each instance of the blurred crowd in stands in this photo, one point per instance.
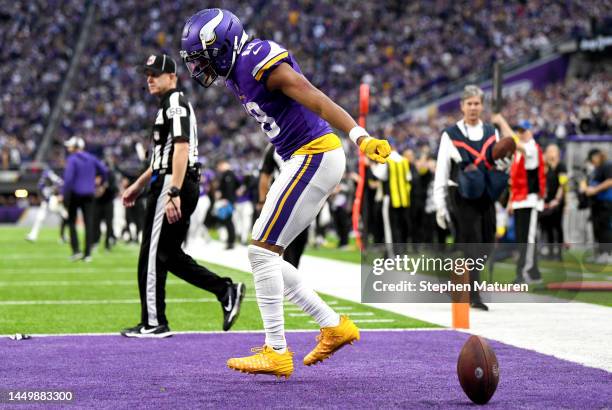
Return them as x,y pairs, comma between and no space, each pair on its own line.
38,39
577,106
400,49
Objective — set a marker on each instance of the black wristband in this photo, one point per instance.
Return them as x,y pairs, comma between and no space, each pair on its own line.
173,192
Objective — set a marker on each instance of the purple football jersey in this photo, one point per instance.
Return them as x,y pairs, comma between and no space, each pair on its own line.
288,124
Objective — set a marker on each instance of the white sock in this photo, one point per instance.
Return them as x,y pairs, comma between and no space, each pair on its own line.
268,279
306,298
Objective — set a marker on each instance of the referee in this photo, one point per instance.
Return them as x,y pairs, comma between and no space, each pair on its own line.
173,177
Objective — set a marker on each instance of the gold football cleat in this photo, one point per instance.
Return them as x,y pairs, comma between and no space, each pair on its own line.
265,361
332,339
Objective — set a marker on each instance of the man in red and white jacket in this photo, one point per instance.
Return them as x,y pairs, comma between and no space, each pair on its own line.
527,193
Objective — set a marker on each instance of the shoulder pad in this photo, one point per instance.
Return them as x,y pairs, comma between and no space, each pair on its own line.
260,55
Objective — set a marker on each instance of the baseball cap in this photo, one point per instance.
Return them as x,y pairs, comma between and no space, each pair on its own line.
523,125
75,142
160,63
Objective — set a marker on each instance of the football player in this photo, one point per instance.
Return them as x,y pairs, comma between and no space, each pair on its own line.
50,185
297,118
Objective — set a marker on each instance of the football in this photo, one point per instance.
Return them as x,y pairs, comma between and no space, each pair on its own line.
478,370
504,148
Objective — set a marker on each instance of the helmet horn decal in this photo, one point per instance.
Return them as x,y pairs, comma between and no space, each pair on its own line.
207,33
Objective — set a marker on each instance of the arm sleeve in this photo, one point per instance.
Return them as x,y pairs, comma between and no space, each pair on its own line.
442,172
177,115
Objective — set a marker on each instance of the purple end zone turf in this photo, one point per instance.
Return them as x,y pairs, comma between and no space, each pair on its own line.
414,369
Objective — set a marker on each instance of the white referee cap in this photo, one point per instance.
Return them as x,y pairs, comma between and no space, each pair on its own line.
75,142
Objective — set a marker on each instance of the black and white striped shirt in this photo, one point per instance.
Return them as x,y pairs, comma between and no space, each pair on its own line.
175,122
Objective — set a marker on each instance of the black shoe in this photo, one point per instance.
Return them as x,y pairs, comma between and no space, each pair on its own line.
479,305
231,304
151,332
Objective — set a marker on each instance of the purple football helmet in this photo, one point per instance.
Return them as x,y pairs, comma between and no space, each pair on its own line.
211,41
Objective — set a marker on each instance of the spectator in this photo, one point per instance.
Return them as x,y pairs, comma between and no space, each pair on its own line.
599,189
396,178
554,203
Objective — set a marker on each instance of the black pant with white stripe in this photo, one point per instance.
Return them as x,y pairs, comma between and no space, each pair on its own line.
161,252
526,227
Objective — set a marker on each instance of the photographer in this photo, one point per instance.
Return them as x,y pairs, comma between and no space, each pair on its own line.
599,191
551,219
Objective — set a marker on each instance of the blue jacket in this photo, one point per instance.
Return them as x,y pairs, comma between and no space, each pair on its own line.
80,174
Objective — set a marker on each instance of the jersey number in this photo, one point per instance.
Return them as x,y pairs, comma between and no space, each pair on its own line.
268,125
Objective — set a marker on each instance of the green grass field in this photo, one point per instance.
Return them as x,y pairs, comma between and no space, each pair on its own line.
42,291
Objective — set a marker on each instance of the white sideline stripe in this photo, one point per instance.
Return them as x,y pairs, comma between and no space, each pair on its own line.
26,256
75,269
66,257
81,270
130,282
366,321
374,320
114,301
352,314
214,332
105,301
292,308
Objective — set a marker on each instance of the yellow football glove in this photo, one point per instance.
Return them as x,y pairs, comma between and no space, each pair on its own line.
375,149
